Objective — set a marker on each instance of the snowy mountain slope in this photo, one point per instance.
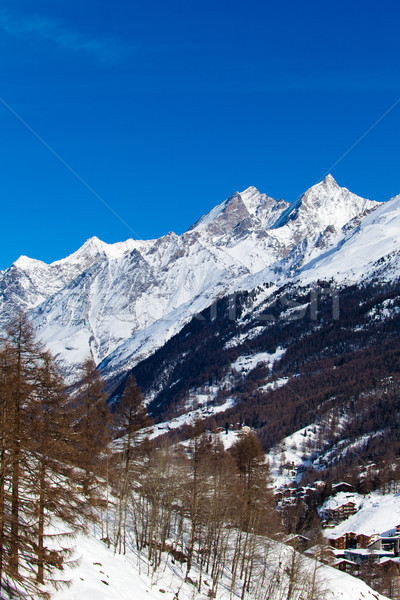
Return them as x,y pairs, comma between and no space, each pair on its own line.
122,301
28,282
370,248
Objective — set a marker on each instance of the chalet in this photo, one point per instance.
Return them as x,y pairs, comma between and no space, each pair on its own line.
289,500
342,487
341,512
389,564
300,469
245,430
363,541
305,491
338,542
324,554
344,541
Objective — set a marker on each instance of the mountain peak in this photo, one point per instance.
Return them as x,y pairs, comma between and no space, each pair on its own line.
324,204
94,247
329,180
93,243
25,263
249,191
328,186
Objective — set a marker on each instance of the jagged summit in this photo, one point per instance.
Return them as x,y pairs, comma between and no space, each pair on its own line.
248,204
94,247
325,204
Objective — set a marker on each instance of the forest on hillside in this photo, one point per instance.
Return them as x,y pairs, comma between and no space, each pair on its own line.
333,365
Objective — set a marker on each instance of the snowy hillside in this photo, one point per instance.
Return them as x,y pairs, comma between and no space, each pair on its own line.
122,301
103,574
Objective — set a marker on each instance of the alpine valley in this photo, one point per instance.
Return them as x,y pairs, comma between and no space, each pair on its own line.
270,326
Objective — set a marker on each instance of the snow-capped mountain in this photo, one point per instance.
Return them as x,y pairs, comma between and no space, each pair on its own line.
122,301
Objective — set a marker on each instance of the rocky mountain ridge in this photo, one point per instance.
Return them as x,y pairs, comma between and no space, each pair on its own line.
123,301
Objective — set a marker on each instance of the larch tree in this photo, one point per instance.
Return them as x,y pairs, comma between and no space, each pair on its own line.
19,388
56,485
93,427
36,483
131,417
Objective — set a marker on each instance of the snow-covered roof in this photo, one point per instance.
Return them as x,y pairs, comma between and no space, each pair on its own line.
341,483
340,499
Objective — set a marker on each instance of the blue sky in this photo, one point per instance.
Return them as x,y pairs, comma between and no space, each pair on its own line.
164,109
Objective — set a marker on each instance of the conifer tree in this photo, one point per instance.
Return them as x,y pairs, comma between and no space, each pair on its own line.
56,485
23,352
131,416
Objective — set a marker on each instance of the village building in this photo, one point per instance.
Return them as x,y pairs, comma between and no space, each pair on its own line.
342,512
366,555
363,541
347,566
342,486
338,542
387,543
389,564
324,554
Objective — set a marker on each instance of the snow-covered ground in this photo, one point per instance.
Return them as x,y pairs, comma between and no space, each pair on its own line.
377,514
246,363
101,574
104,575
200,403
342,498
293,450
189,418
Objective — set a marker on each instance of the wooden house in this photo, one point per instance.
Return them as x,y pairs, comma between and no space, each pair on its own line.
338,542
339,513
363,541
342,486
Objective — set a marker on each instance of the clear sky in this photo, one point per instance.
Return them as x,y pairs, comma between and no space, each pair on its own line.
165,108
